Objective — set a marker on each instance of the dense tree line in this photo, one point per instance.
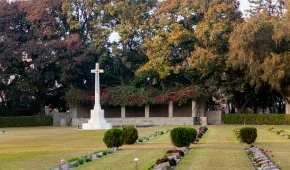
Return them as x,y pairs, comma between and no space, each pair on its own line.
50,46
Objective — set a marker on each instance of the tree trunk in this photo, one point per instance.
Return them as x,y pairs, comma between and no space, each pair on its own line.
41,106
245,103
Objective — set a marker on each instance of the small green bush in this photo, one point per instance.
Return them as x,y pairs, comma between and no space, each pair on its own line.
180,137
259,164
114,138
140,140
81,160
26,121
192,133
130,134
279,131
88,158
248,134
237,132
96,152
270,128
72,159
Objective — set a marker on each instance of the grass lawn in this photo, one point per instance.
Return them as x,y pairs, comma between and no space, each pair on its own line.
279,145
44,147
147,153
219,150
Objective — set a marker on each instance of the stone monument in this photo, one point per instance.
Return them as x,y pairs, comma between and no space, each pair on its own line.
97,120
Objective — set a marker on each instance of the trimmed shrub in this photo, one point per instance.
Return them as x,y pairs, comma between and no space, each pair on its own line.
270,128
79,159
130,134
26,121
248,134
140,140
279,131
237,132
257,119
88,158
114,138
180,137
192,133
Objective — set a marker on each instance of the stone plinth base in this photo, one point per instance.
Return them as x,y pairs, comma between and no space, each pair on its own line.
96,121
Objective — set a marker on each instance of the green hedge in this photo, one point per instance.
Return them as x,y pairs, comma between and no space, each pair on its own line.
257,119
26,121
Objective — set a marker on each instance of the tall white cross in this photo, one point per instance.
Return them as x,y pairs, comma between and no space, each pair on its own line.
97,86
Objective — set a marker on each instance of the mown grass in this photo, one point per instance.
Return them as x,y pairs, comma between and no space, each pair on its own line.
219,150
279,145
44,147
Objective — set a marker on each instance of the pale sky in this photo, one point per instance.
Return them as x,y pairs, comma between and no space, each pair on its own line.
244,5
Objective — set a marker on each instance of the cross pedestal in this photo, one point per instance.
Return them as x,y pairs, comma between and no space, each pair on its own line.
97,119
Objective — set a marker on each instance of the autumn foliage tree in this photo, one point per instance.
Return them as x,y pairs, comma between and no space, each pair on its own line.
181,48
260,46
39,54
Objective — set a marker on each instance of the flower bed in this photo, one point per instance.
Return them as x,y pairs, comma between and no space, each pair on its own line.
171,159
77,161
174,156
280,132
149,137
200,132
260,159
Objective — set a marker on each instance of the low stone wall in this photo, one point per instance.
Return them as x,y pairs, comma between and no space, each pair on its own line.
214,117
141,121
61,118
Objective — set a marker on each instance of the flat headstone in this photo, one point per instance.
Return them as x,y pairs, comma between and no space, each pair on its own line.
162,166
55,168
65,167
100,154
95,156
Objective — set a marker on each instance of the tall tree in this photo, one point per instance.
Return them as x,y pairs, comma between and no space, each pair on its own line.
45,55
189,44
130,21
261,48
13,35
268,7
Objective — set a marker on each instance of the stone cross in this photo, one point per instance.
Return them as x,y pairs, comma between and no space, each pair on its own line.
97,86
